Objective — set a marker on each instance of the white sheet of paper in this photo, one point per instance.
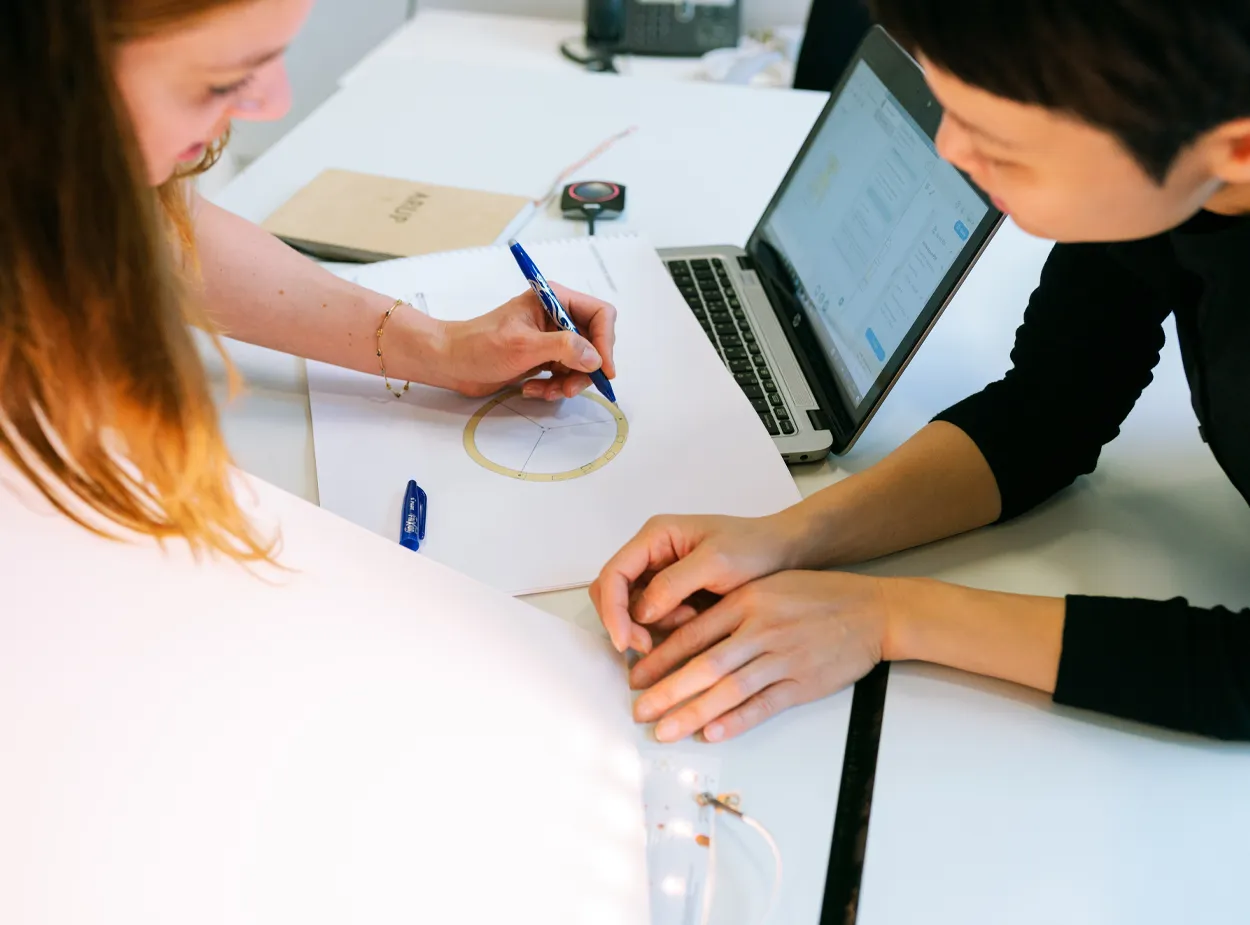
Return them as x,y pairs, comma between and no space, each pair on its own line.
694,445
366,738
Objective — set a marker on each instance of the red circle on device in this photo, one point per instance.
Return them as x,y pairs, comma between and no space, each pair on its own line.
614,191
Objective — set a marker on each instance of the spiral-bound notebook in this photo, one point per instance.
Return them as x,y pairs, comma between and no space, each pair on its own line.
528,496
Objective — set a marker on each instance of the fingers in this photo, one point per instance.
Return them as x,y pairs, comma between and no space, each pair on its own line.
535,345
703,643
540,389
594,318
671,587
556,350
637,637
567,384
764,705
574,351
678,618
528,347
690,608
572,384
558,385
736,690
651,548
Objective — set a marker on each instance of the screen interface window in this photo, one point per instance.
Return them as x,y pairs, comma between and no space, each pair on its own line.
868,226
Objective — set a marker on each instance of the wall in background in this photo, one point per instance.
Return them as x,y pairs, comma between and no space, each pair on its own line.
757,14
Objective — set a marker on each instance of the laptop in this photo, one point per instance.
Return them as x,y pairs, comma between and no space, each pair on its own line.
863,245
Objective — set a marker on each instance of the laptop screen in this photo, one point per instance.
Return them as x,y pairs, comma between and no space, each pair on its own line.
865,231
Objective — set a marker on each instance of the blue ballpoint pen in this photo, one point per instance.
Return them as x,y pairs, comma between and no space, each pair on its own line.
555,310
412,530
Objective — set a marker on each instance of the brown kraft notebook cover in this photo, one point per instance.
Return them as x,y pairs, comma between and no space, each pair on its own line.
342,215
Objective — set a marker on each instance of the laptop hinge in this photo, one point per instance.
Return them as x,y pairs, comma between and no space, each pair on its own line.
818,419
745,262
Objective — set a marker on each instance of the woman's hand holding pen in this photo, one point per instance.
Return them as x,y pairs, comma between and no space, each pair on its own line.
517,342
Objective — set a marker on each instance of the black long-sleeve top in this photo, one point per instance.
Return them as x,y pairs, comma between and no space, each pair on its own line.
1045,423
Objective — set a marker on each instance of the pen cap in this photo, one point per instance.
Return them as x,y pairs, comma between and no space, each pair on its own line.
412,525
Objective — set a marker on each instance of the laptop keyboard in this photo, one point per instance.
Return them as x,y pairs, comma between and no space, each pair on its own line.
708,290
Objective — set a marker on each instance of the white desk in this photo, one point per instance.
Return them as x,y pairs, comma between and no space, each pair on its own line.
992,805
493,40
702,165
701,168
1157,519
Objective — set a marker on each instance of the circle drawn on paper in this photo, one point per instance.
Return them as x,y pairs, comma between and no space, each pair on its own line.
539,441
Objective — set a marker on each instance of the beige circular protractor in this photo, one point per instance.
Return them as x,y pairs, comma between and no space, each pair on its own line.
529,475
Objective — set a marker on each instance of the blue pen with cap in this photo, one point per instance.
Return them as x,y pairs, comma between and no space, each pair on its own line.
555,310
412,529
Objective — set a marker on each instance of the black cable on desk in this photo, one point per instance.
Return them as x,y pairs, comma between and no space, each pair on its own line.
599,60
850,824
591,211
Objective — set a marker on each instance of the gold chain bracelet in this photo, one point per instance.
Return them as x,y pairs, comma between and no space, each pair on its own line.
398,393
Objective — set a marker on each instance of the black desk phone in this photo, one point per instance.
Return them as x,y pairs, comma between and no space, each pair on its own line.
681,28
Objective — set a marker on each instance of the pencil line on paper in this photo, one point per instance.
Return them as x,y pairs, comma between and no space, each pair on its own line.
532,421
602,266
579,424
522,415
533,451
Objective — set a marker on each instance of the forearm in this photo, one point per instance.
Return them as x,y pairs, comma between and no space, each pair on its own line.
935,485
1159,662
260,291
1014,637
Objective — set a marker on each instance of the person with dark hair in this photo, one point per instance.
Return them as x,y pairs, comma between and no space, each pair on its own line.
1122,130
